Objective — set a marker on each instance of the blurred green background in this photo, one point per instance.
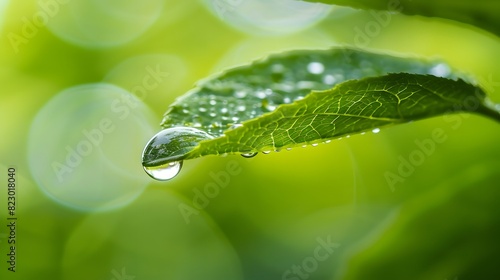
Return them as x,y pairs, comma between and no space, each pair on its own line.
84,85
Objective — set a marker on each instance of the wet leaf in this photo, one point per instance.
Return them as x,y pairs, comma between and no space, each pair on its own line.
306,97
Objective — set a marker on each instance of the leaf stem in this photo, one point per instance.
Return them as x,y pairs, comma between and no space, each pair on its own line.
491,110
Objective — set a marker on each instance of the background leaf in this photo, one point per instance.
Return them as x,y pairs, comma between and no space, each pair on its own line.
481,13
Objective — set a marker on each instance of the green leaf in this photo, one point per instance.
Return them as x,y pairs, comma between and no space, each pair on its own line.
480,13
305,97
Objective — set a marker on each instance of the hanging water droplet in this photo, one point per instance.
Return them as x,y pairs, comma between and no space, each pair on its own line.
328,141
288,149
376,130
165,171
266,152
159,155
314,144
249,155
304,146
315,67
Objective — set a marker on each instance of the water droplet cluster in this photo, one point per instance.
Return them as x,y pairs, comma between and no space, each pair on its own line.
247,92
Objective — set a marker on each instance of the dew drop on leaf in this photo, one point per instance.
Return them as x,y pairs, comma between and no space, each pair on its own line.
260,94
240,94
266,104
329,79
315,67
236,125
376,130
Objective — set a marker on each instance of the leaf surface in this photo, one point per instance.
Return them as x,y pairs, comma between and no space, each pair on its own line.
307,97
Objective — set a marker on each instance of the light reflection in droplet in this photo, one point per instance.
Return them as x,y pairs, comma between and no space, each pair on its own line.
165,171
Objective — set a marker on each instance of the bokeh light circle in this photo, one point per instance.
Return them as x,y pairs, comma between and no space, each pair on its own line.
155,78
85,145
150,239
99,23
264,17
